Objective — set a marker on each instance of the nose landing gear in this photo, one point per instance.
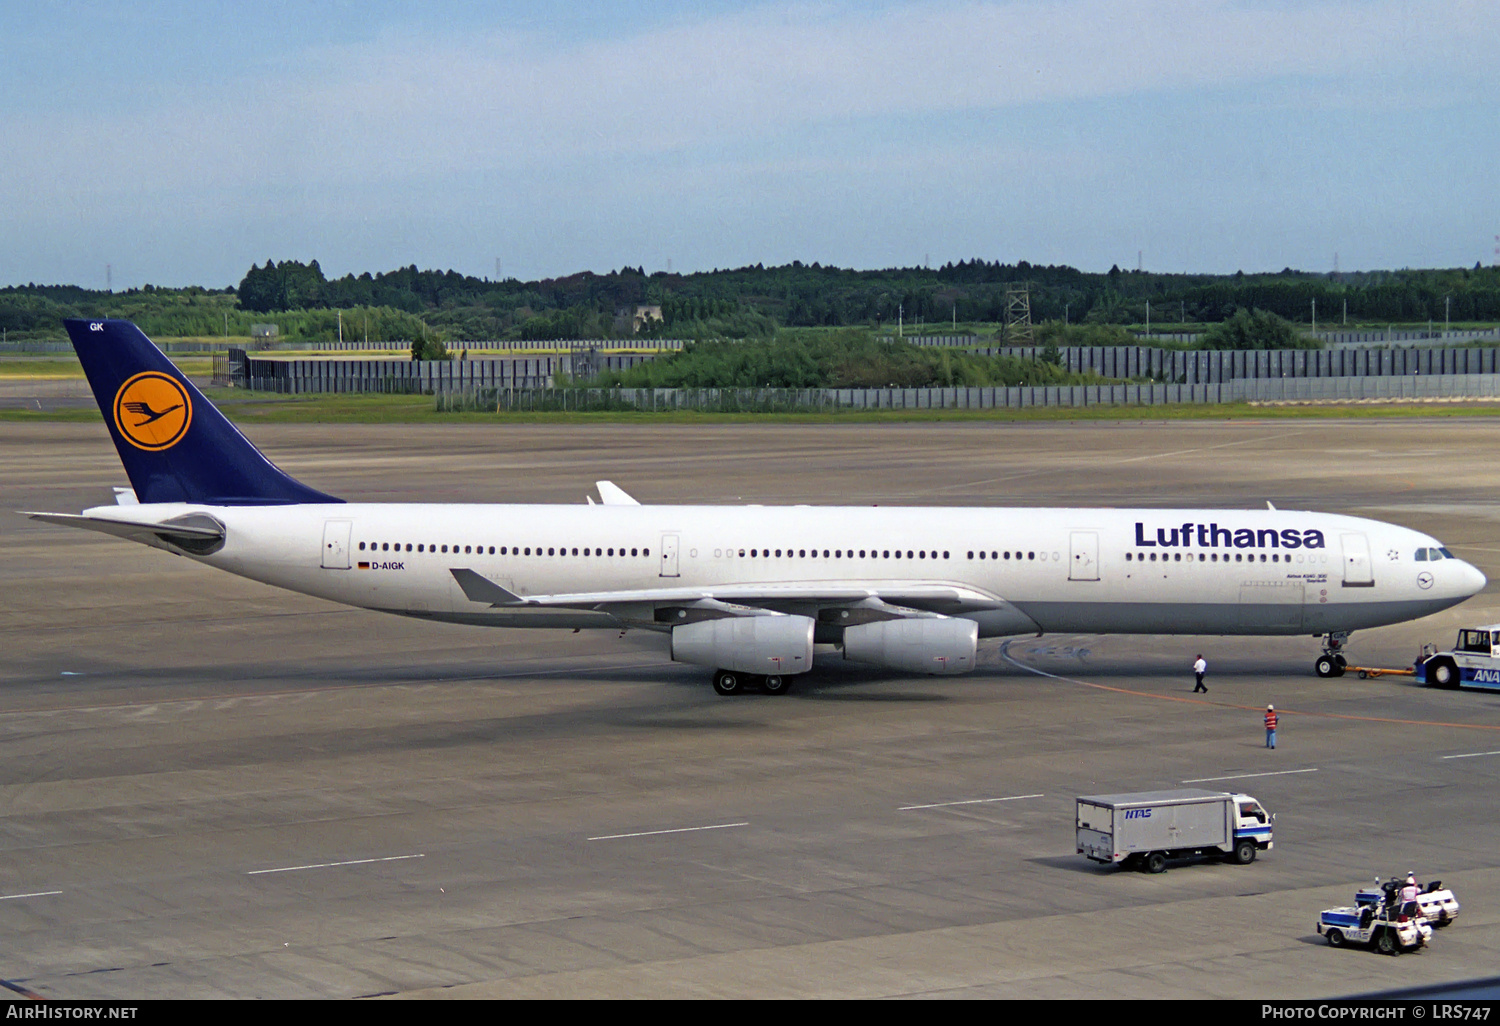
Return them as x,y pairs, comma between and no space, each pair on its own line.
1332,662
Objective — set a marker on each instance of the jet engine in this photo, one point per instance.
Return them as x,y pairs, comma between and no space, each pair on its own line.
918,644
747,644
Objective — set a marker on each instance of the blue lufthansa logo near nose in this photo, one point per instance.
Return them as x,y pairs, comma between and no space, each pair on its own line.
1424,580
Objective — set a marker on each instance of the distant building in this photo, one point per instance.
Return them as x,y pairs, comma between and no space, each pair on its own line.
633,318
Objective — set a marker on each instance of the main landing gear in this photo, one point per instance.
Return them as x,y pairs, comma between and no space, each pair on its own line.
731,682
1332,662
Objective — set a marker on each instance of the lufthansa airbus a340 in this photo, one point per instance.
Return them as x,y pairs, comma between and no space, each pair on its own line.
748,591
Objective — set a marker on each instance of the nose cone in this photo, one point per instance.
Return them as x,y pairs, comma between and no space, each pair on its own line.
1471,579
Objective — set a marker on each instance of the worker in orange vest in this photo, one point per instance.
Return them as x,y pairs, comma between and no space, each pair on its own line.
1270,726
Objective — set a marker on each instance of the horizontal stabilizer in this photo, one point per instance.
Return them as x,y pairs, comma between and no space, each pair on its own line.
197,533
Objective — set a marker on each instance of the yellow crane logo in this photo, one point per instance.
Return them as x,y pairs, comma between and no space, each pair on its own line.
153,411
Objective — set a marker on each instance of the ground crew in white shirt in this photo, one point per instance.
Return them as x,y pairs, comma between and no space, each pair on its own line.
1200,668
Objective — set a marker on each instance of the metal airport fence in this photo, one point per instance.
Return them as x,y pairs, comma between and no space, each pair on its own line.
55,346
1208,366
237,369
281,345
1365,337
1135,364
608,345
955,341
1380,337
738,400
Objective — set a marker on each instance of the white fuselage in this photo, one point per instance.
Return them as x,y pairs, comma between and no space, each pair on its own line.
1033,570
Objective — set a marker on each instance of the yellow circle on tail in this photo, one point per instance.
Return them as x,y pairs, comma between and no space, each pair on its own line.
153,411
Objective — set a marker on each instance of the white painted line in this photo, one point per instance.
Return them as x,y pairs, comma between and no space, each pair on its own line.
679,830
33,894
971,801
328,865
1470,755
1246,776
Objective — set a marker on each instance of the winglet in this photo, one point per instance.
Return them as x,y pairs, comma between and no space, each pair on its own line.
612,494
479,588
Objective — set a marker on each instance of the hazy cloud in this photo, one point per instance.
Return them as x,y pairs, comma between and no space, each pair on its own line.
360,141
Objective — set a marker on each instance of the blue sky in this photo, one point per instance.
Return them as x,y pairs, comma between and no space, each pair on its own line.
181,142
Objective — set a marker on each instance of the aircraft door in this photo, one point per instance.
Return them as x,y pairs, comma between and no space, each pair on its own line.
1084,565
1358,573
336,544
669,555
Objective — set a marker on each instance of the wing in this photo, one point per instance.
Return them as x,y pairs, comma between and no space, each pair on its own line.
886,598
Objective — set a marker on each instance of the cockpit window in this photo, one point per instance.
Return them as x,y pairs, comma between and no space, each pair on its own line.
1447,554
1421,556
1474,641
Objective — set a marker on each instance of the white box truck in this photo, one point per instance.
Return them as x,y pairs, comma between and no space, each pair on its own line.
1144,830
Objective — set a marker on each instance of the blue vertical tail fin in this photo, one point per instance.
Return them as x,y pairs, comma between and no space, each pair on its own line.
175,445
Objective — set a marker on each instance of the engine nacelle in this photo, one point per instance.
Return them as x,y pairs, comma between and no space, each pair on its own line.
918,644
747,644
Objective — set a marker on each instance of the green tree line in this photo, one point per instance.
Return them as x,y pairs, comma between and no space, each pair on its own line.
37,312
850,358
757,301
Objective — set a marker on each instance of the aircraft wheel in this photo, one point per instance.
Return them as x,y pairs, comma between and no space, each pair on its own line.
1326,667
727,682
776,684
